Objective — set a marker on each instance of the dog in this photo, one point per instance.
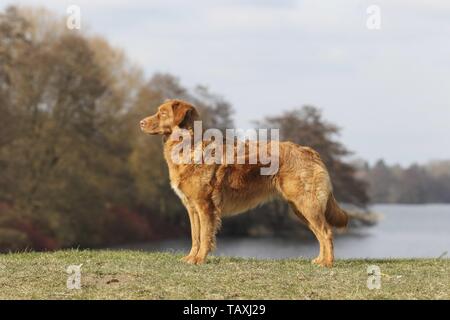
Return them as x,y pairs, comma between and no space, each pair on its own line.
215,190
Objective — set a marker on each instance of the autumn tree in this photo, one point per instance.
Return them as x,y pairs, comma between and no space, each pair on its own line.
306,127
62,158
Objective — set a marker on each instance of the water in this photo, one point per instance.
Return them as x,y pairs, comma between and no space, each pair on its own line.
406,231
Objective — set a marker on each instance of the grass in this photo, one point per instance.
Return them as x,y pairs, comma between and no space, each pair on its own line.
142,275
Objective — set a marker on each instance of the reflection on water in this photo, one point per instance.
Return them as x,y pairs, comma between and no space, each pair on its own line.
406,231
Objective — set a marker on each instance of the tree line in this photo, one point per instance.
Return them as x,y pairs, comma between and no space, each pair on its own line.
415,184
75,170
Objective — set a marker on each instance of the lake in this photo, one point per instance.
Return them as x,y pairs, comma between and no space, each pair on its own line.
405,231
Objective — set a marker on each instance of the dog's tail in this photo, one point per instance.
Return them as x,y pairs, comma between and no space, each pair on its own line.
334,214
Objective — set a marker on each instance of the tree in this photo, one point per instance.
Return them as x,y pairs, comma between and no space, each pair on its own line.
414,184
306,127
62,162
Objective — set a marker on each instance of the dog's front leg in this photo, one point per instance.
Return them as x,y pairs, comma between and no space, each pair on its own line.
209,221
195,233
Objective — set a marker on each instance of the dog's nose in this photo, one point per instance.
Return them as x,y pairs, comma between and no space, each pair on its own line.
142,123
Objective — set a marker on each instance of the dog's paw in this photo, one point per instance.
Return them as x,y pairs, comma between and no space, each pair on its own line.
188,259
322,262
199,260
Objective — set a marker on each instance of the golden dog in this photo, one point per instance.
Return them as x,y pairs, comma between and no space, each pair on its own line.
212,191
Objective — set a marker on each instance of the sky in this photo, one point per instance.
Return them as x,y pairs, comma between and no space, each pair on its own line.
387,88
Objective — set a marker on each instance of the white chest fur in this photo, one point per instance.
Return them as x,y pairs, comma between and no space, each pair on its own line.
178,191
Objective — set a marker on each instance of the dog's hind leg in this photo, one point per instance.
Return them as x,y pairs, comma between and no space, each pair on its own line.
298,213
195,233
310,207
313,229
306,222
314,213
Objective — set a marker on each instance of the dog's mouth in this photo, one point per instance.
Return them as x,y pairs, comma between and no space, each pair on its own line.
149,128
148,131
152,130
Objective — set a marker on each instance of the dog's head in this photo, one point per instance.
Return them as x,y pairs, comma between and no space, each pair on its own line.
171,114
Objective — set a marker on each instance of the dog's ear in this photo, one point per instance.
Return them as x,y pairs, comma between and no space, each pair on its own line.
184,114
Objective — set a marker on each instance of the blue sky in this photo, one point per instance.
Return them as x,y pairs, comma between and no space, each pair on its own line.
388,89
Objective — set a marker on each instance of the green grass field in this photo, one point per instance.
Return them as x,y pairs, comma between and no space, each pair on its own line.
141,275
